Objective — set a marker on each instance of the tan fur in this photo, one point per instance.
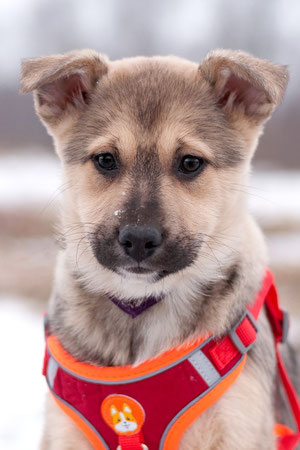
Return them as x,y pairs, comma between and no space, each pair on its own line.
149,113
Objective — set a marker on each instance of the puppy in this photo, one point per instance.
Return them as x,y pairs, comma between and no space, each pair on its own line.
155,155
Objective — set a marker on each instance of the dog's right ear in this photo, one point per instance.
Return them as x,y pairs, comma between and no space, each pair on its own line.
62,84
126,408
113,410
244,87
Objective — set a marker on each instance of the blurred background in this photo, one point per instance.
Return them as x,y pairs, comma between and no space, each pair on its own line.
29,171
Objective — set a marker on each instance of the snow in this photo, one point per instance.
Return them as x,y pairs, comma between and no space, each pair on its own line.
274,196
22,387
27,180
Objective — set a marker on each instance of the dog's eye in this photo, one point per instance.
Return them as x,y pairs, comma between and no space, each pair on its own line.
105,162
191,164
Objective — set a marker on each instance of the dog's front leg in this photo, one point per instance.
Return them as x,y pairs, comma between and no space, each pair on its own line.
60,433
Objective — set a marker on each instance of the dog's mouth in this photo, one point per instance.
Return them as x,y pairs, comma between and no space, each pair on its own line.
140,270
155,274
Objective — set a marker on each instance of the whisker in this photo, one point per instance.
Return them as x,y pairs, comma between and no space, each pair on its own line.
60,190
252,195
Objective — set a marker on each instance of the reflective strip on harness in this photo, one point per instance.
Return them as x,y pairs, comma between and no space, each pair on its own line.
51,371
204,367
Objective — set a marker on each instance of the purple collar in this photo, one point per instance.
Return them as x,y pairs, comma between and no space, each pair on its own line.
133,310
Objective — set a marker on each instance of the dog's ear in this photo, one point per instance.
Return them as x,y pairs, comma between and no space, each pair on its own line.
62,84
113,410
244,86
126,408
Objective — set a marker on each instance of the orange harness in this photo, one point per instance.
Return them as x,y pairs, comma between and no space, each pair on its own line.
152,404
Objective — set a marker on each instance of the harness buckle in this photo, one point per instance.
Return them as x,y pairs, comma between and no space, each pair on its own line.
236,339
285,325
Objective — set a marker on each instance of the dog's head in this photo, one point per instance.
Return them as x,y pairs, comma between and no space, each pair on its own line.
154,151
123,421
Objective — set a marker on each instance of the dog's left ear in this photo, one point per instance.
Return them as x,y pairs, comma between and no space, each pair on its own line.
244,86
62,85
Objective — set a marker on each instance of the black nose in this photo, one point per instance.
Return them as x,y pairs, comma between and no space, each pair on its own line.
139,242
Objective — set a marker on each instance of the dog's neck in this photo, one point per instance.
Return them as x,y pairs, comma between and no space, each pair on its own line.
93,329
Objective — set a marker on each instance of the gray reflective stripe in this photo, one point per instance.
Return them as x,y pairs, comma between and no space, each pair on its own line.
51,370
204,367
132,380
81,416
171,423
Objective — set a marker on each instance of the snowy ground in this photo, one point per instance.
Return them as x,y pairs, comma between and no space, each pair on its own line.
274,197
22,388
28,182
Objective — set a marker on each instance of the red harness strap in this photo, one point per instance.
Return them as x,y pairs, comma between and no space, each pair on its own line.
279,321
278,318
131,398
134,442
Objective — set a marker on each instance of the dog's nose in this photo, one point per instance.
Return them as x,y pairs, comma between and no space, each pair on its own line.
139,242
